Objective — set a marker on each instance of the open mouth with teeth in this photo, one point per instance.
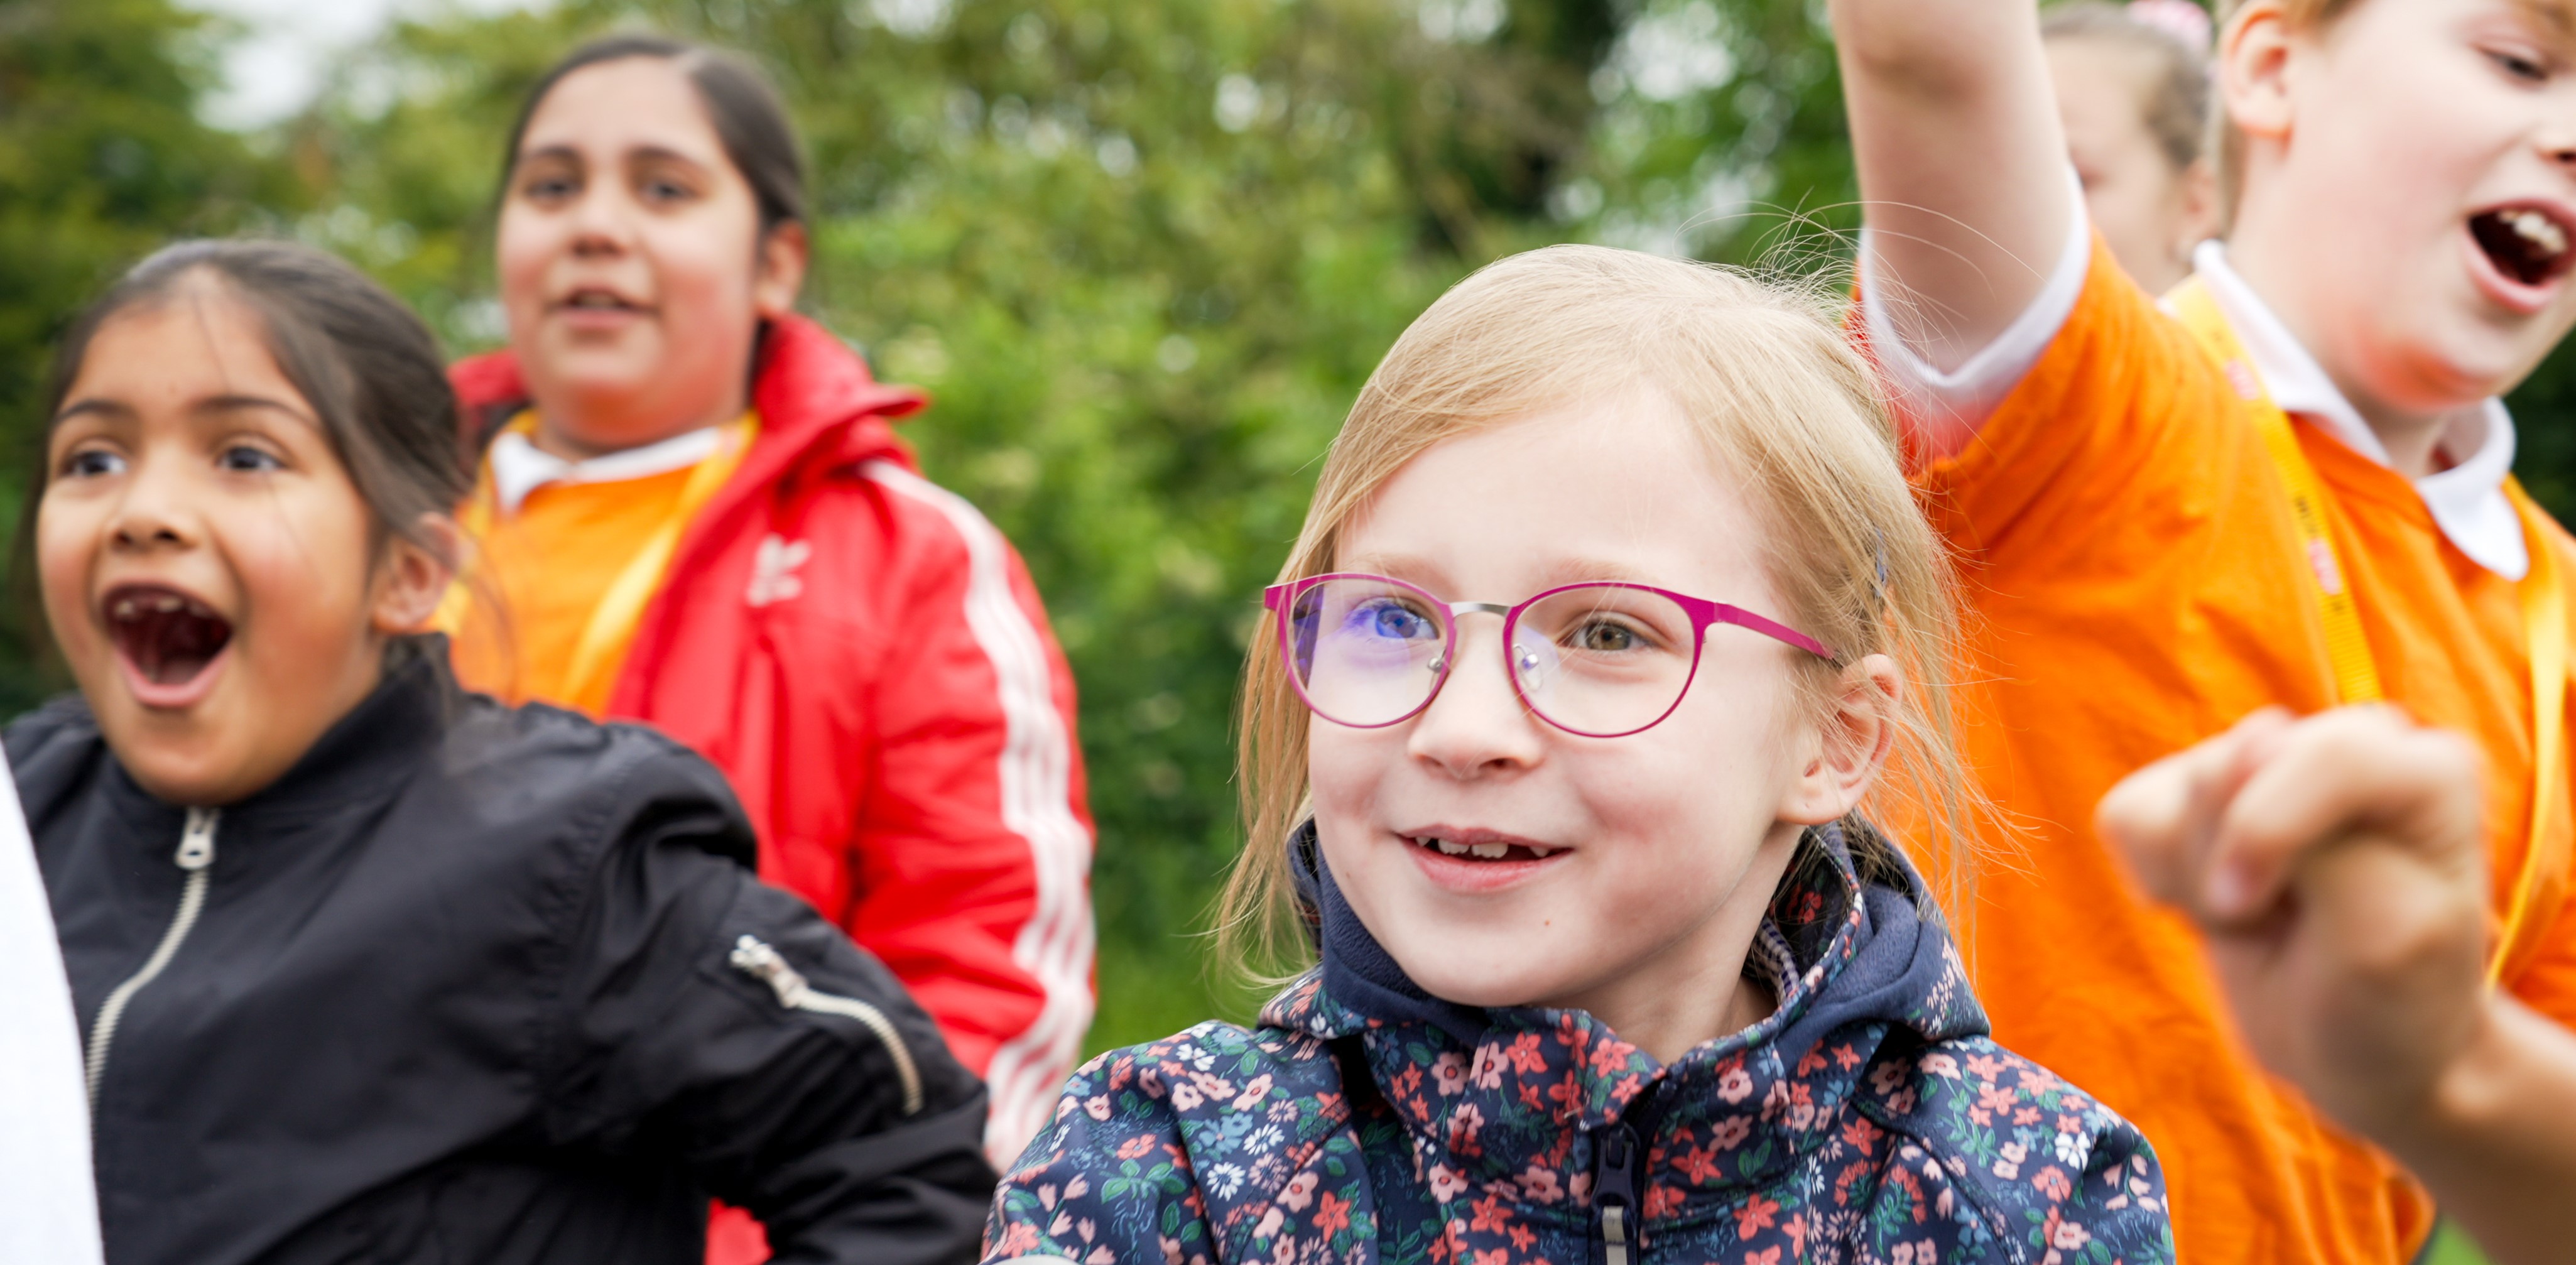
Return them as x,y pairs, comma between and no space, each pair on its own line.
2525,243
167,636
1484,851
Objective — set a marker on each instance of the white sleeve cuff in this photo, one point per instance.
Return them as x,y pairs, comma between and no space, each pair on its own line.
1953,403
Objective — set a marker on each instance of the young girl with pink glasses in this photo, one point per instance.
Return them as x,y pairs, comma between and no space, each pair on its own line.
1610,619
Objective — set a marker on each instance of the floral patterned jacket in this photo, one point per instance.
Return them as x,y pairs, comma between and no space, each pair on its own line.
1868,1120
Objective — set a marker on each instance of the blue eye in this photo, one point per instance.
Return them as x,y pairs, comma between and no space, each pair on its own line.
244,459
90,463
1393,620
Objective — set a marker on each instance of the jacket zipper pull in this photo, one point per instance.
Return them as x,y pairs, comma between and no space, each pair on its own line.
197,840
1616,1157
754,958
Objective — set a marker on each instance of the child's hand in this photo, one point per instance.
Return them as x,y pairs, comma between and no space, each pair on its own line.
2336,865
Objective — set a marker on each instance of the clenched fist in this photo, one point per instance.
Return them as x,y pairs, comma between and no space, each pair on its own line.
2336,865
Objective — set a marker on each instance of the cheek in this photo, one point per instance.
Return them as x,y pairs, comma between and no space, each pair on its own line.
303,565
698,269
523,248
67,535
1343,767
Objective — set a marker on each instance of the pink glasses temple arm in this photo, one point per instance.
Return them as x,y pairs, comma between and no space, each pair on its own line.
1771,628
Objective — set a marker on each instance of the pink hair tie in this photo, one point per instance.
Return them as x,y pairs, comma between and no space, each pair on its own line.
2181,19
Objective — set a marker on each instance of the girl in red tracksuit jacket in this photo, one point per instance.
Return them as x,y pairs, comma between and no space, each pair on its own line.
692,511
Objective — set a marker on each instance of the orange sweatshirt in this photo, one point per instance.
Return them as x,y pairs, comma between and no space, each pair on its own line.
2137,584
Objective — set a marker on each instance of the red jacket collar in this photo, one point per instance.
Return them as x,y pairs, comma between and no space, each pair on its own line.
815,396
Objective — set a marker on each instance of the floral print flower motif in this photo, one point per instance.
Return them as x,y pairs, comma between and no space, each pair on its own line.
1887,1140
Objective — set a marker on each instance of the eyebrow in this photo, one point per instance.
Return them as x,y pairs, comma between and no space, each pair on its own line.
565,153
112,410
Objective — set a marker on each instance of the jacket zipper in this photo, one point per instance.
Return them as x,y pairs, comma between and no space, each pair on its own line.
754,957
1617,1157
196,856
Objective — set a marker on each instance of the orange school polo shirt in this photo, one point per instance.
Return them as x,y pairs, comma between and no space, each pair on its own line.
549,563
2136,584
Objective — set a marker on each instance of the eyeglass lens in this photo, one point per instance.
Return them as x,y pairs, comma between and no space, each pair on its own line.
1598,659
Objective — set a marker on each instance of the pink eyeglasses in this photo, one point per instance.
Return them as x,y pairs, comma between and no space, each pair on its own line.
1601,660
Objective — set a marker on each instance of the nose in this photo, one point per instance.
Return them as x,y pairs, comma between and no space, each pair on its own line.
601,227
1477,727
154,511
2555,134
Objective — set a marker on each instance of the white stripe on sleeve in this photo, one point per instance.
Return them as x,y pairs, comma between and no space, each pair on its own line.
1036,769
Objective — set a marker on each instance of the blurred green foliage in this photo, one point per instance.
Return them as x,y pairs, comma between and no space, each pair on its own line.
102,158
1143,252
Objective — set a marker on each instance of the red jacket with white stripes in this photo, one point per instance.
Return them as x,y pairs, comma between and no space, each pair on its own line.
865,658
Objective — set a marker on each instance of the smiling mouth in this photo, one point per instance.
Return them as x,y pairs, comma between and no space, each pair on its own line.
597,301
1482,851
168,636
2525,243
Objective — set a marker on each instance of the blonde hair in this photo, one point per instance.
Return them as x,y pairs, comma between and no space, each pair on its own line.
1766,377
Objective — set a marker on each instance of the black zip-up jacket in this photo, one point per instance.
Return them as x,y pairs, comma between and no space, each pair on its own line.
480,985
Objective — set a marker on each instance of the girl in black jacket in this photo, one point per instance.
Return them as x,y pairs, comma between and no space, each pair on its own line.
371,969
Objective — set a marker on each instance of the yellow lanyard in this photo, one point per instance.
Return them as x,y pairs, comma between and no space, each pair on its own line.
612,623
2544,615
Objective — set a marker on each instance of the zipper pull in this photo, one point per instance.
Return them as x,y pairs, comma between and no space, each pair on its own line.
197,840
753,957
1616,1157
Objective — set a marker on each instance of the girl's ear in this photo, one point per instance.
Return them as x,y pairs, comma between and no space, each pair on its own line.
413,577
781,270
1853,739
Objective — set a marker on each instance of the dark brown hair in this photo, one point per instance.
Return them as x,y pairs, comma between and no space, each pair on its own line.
750,120
2177,105
368,367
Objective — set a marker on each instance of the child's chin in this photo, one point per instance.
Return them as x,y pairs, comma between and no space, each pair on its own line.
1467,979
177,769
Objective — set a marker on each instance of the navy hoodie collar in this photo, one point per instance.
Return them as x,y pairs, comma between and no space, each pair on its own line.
1883,963
1357,971
1509,1094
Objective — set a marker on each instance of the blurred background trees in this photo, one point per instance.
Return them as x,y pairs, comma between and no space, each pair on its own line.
1143,252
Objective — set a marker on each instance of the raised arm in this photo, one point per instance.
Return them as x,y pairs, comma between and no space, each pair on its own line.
1963,168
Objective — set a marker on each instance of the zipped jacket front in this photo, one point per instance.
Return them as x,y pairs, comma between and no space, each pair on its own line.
472,983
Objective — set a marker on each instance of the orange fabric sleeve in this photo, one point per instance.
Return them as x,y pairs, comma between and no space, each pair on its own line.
2121,415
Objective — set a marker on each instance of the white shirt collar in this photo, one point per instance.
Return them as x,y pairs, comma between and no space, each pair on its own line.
2467,500
519,467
